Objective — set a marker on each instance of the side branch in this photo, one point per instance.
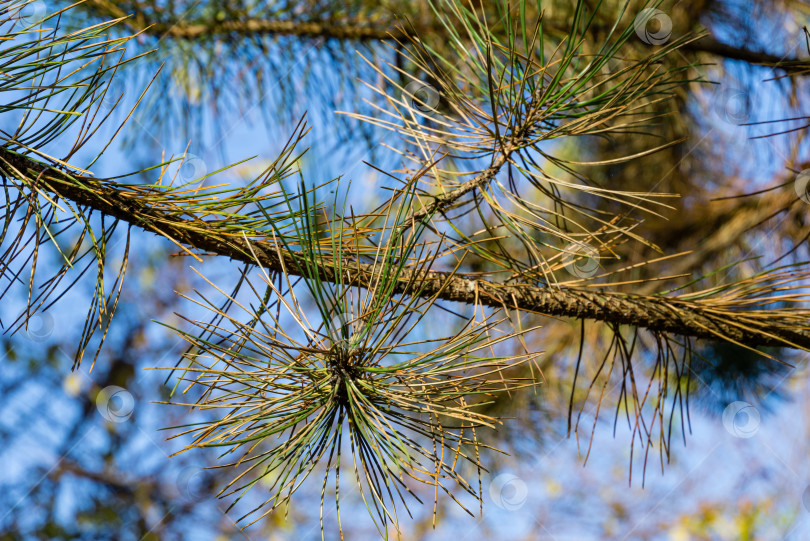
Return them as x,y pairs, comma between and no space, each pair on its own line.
444,201
670,315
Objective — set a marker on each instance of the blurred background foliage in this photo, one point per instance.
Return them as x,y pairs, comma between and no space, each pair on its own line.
236,78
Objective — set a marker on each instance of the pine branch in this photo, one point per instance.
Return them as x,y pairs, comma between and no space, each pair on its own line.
670,315
712,46
444,201
353,30
411,415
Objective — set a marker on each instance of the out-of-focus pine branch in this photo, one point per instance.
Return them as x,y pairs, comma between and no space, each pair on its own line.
383,26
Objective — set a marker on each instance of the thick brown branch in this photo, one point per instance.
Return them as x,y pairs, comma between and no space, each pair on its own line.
362,31
712,46
312,29
658,314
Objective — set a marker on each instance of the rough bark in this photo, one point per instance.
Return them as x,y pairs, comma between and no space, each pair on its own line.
668,315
